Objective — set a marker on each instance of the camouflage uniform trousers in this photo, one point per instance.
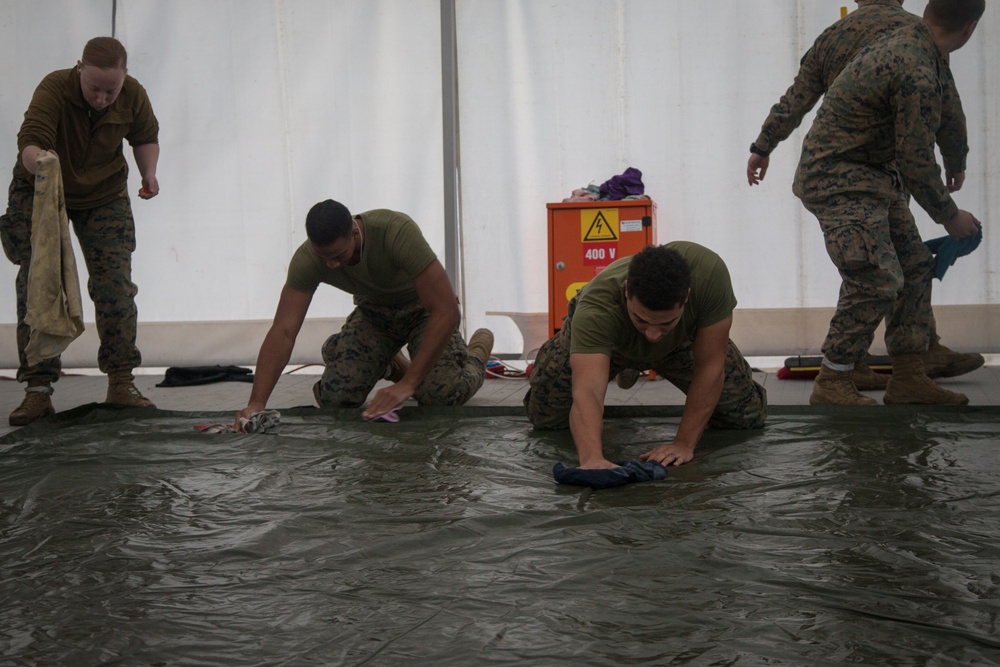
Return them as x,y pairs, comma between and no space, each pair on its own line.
886,273
356,358
742,404
107,239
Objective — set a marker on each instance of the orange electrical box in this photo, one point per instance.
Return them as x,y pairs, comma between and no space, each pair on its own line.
584,237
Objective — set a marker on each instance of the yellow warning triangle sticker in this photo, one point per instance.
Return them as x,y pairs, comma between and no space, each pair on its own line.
600,230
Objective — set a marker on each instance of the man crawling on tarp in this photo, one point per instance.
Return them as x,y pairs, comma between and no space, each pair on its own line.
668,308
402,296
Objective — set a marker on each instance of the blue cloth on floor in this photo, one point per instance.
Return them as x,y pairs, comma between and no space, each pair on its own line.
947,250
627,473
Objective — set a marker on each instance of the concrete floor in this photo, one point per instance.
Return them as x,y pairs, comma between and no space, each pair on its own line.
295,389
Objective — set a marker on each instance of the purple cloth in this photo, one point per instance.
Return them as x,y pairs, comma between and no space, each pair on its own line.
627,473
391,416
624,185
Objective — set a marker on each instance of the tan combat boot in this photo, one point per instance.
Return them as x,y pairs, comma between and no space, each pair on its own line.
37,403
398,366
481,345
909,385
122,391
627,378
835,388
940,362
865,379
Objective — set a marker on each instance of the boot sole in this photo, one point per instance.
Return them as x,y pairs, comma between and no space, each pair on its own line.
950,371
889,401
24,421
813,401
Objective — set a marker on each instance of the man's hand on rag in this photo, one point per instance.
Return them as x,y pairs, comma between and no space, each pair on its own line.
670,454
31,157
388,399
598,464
246,413
962,225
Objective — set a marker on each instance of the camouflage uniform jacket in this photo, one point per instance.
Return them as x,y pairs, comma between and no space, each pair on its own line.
828,56
876,127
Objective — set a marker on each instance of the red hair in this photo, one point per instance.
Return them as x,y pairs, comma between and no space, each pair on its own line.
105,52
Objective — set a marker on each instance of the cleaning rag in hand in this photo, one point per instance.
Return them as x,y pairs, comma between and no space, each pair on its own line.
392,416
947,250
627,472
258,422
54,307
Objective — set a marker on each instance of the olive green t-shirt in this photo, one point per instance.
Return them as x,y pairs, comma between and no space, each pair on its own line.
394,252
600,323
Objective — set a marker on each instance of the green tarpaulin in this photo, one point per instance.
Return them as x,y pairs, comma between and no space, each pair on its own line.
862,537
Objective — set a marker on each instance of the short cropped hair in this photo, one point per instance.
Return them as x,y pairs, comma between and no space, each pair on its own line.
327,222
105,53
954,15
658,277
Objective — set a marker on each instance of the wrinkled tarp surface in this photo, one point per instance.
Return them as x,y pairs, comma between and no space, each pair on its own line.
834,536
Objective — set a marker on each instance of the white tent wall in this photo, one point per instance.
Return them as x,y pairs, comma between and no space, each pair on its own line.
556,95
267,106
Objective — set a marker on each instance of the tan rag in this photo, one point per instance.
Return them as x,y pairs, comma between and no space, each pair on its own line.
55,309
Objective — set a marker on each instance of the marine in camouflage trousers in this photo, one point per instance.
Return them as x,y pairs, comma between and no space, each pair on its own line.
107,239
742,404
886,273
356,358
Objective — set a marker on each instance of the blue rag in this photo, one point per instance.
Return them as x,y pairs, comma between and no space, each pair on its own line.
627,473
947,250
